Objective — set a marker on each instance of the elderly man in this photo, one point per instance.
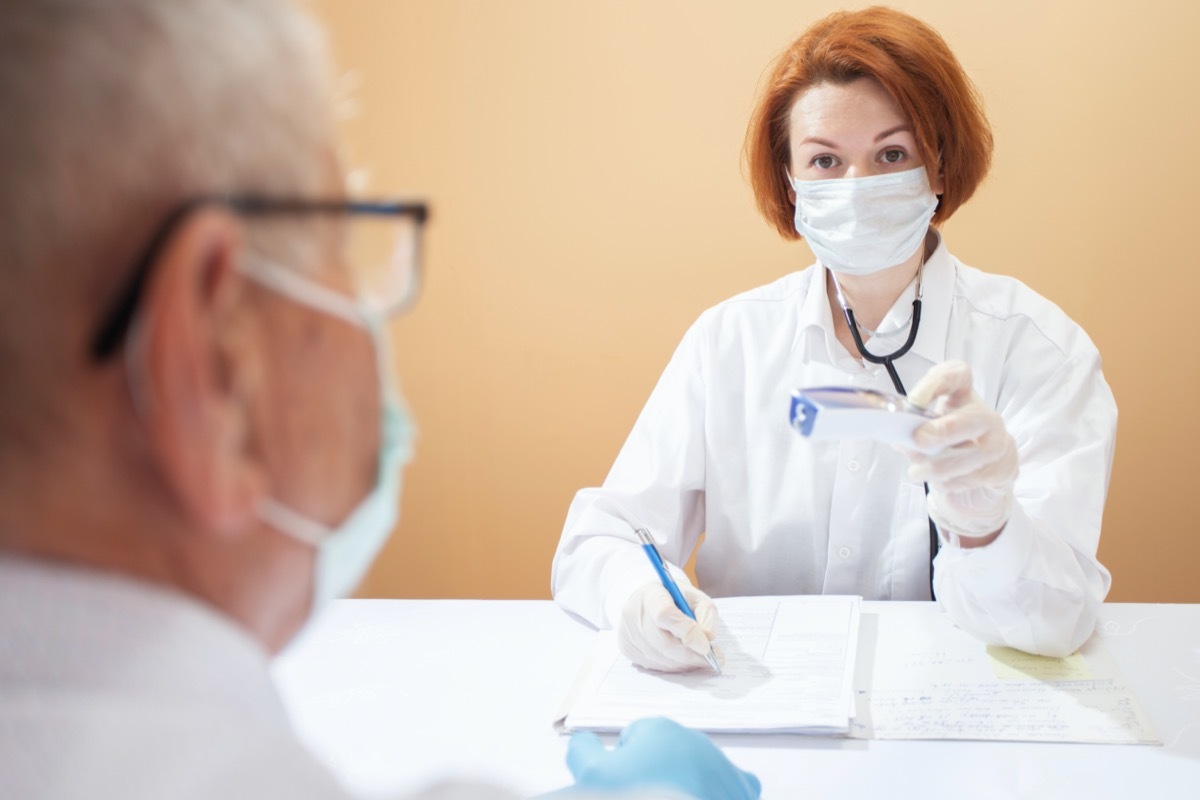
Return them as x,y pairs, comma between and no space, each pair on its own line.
200,442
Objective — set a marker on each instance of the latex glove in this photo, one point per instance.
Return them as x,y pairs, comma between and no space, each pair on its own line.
969,458
653,633
659,753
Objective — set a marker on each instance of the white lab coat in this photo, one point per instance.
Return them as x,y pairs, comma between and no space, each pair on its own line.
712,453
111,688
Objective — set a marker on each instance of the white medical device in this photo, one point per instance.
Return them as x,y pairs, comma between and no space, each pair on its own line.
839,412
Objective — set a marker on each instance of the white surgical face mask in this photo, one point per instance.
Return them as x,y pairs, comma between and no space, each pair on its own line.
859,226
345,552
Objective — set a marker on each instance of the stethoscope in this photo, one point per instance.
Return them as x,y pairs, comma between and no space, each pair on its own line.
888,362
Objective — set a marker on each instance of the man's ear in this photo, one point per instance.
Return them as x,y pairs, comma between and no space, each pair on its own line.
198,362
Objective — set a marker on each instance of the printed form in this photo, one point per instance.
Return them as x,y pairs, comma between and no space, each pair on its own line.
788,667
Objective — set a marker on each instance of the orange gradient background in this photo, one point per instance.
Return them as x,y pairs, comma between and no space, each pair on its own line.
583,164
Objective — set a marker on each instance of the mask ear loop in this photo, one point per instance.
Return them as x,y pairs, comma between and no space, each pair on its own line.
282,518
304,291
358,312
355,312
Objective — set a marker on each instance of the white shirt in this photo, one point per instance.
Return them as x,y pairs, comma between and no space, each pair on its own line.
111,688
712,453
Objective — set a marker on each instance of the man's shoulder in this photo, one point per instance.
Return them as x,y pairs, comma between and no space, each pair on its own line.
108,744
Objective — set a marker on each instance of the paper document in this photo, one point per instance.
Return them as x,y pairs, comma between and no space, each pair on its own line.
922,678
789,667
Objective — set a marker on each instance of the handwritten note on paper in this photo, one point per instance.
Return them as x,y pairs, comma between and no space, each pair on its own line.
1096,711
789,666
1016,665
930,680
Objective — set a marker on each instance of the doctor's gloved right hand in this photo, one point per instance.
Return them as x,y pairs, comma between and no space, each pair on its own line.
970,459
659,754
653,633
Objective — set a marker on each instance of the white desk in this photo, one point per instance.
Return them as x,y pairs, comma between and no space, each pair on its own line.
393,694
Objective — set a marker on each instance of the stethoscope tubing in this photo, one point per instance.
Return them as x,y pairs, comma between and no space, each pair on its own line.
888,363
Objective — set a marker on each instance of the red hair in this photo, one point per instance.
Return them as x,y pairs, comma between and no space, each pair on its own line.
913,63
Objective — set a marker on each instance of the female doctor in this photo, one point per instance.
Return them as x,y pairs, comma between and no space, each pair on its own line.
868,136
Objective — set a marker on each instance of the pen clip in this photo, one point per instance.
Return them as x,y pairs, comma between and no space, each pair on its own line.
652,550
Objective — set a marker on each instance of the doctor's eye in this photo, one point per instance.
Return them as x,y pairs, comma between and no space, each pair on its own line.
824,162
893,155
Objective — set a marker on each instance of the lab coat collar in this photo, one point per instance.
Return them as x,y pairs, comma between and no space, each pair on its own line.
815,317
815,320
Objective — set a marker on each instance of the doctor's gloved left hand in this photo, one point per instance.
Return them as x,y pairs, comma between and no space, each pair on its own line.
659,754
969,458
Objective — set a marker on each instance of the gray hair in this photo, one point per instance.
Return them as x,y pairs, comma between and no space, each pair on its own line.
114,111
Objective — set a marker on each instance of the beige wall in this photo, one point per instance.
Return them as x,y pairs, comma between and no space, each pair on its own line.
582,159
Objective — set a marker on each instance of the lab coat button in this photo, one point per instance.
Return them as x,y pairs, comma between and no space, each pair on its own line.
844,552
852,465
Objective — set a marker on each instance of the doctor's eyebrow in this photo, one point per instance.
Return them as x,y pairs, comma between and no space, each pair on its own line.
904,126
895,129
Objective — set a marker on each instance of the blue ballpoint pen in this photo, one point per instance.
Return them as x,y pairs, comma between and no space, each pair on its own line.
669,584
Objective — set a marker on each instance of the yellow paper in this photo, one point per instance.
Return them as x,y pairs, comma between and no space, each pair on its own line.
1014,664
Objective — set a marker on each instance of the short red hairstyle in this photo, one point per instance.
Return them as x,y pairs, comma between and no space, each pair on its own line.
913,63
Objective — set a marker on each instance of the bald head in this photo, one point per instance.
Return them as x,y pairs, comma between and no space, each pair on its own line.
116,111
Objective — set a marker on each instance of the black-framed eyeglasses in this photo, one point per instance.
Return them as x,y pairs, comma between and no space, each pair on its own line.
382,249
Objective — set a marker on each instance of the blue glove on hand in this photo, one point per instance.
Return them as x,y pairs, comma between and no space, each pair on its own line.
659,753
